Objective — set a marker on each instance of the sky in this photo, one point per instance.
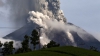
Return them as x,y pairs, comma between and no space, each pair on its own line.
83,13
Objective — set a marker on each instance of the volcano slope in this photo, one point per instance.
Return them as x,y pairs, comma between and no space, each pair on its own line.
81,37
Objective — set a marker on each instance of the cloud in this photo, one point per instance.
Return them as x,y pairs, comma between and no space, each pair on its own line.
16,43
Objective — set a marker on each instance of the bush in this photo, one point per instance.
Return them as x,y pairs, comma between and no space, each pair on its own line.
52,44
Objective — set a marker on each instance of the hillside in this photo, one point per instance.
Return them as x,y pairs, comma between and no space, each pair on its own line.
61,51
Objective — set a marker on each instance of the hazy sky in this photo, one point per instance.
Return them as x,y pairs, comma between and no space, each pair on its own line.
83,13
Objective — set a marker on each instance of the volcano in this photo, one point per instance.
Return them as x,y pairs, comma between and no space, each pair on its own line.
48,15
79,38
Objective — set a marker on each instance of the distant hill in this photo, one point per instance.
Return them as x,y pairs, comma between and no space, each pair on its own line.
61,51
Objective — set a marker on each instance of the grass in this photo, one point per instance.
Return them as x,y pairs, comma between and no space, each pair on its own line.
61,51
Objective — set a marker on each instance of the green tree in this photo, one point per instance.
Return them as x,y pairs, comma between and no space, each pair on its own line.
35,38
8,48
19,50
25,45
93,48
1,46
52,44
44,47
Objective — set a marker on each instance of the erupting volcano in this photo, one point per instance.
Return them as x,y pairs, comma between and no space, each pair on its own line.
30,14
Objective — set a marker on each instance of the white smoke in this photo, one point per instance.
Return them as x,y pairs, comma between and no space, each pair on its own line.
50,12
16,43
49,17
79,31
50,24
53,20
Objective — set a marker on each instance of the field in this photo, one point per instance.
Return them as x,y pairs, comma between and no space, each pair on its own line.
61,51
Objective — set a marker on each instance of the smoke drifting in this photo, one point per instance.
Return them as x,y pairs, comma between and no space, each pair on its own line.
16,43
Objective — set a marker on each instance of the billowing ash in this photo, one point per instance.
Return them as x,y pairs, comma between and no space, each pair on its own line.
49,18
20,8
47,14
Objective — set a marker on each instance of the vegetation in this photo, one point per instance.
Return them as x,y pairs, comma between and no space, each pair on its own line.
93,48
7,48
35,38
25,45
61,51
52,44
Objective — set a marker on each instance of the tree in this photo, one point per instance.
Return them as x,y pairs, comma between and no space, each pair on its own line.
8,48
93,48
52,44
34,38
0,46
19,50
25,45
44,47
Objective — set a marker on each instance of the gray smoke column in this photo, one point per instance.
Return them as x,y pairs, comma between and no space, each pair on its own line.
19,10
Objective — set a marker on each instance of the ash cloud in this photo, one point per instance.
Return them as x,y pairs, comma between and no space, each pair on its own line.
19,10
16,43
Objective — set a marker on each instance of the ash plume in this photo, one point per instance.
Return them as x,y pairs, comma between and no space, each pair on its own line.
19,9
